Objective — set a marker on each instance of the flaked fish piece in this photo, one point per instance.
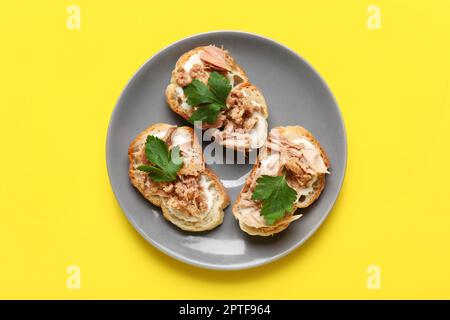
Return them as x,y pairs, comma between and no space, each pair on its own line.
215,57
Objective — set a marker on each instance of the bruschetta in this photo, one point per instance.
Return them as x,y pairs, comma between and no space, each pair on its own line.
293,153
242,122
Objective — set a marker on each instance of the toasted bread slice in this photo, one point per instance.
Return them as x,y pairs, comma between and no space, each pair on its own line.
291,150
243,125
193,202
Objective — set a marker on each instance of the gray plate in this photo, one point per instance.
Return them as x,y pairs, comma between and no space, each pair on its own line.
296,95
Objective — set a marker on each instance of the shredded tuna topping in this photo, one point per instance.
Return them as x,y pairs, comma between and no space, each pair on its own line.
239,119
215,57
182,194
298,175
240,111
199,72
182,78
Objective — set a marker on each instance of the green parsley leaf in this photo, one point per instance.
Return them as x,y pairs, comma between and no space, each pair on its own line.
198,93
208,100
206,113
155,173
165,165
156,151
220,86
147,168
276,196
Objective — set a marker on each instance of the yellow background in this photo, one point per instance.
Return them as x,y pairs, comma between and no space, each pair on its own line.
59,87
